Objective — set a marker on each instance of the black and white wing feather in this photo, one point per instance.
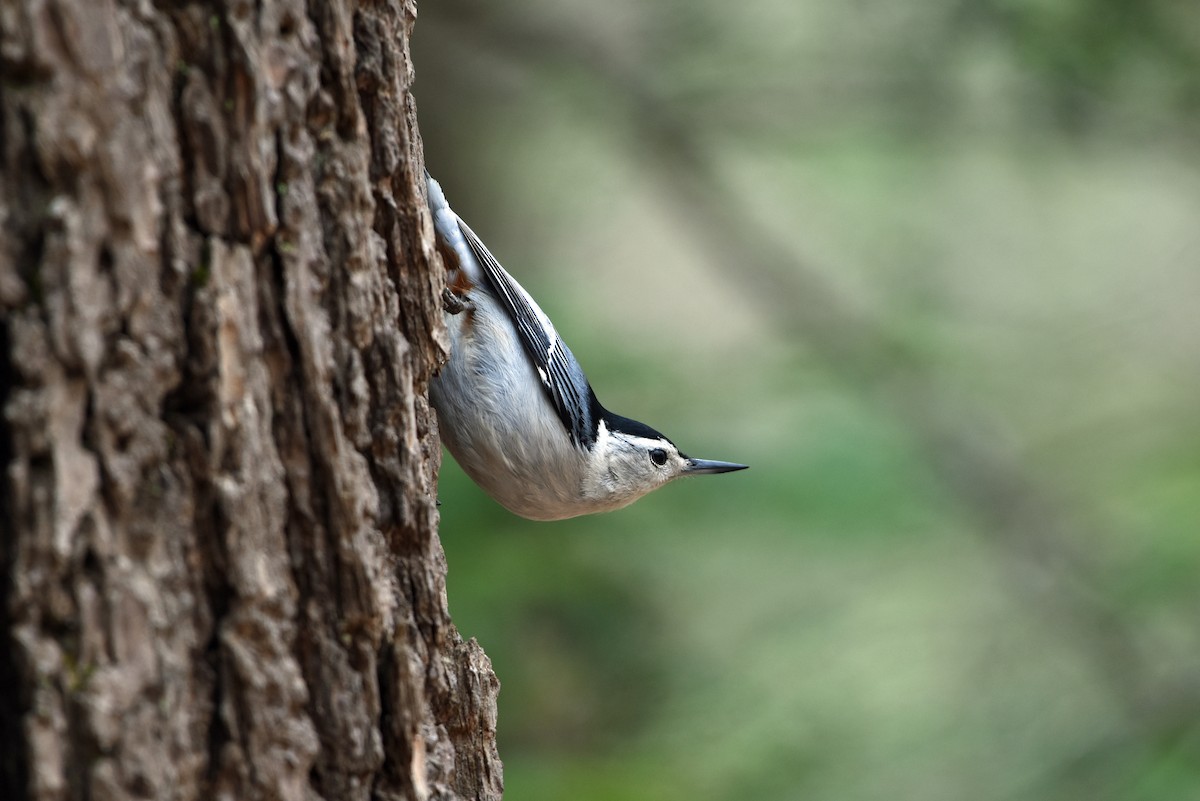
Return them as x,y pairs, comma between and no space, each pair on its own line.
556,366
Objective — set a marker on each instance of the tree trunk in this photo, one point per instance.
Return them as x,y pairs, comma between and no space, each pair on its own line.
219,568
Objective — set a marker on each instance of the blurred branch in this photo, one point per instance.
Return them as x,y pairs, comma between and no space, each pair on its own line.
1040,533
1084,50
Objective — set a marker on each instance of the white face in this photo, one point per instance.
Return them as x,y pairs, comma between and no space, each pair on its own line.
628,466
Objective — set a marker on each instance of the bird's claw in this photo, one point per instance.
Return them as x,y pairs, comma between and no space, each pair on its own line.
454,303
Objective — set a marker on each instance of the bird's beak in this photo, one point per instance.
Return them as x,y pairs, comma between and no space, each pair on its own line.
696,467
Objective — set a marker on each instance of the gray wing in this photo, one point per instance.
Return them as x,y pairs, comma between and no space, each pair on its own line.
560,373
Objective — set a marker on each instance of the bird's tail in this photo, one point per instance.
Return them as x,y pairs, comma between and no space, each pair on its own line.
447,224
437,198
444,218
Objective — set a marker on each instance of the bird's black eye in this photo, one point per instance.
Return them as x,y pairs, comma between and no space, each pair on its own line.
658,456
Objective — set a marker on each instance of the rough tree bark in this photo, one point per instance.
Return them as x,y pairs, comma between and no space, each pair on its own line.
219,568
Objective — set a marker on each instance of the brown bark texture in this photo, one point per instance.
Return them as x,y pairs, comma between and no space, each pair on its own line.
219,569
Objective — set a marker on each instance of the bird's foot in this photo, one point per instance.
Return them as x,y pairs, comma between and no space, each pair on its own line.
456,304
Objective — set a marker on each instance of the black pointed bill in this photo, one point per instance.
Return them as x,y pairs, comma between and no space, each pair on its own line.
697,467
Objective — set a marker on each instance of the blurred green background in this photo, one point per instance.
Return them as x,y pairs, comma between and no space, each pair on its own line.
933,269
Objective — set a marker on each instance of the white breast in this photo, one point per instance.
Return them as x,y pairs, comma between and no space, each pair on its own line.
496,420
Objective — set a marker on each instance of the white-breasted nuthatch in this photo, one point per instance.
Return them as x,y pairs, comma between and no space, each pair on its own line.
515,408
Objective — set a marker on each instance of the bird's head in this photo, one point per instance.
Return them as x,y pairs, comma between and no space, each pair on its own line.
631,459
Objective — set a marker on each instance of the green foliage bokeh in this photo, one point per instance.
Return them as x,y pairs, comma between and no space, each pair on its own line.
1010,189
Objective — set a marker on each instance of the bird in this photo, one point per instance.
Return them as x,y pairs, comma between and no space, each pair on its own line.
516,410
